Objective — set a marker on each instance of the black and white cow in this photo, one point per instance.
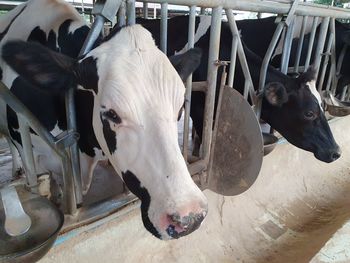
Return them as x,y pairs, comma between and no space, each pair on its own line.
128,97
291,106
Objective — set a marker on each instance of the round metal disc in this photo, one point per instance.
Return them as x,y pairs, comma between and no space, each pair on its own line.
237,149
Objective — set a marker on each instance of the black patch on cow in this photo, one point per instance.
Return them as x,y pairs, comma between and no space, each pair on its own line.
109,135
87,74
70,43
84,102
134,186
2,34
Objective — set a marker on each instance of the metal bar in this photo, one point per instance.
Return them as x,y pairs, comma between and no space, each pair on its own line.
339,65
320,44
131,12
191,32
214,47
300,44
145,10
121,15
241,56
69,202
345,90
74,149
303,8
332,77
287,48
311,43
28,156
94,33
325,62
233,59
164,28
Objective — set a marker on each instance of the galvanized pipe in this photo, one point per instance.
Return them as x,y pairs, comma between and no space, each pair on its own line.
164,28
191,32
320,43
94,33
300,44
145,10
333,72
74,149
233,59
28,156
242,57
339,65
311,43
214,47
345,90
131,12
325,62
303,8
121,15
287,48
69,202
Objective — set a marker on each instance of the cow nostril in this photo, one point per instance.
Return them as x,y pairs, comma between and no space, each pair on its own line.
335,156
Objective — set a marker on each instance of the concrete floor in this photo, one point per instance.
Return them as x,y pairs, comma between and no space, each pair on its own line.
290,214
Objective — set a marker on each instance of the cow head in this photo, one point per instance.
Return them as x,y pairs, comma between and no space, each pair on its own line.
292,106
137,98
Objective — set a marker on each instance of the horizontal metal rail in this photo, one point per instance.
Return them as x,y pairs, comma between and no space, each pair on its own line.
303,9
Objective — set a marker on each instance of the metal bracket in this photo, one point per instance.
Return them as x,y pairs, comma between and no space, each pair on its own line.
107,8
66,139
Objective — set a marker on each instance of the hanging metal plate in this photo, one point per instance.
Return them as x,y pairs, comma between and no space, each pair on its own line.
237,149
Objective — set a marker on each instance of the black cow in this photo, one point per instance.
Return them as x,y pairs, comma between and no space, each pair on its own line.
291,106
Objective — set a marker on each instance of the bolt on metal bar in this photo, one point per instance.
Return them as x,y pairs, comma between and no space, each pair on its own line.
28,156
214,47
311,43
300,44
164,28
320,43
287,48
131,12
242,57
145,10
188,93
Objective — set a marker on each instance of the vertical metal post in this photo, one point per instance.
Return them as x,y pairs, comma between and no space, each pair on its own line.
28,156
131,12
121,15
343,94
325,61
202,12
214,47
287,47
164,28
311,43
191,32
300,44
332,77
145,10
74,149
233,59
320,43
339,65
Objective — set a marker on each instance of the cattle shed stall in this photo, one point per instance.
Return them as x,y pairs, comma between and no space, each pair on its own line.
282,210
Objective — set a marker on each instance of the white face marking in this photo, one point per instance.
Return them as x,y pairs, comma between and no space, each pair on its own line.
204,24
138,82
312,87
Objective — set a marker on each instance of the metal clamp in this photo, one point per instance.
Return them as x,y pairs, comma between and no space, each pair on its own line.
66,139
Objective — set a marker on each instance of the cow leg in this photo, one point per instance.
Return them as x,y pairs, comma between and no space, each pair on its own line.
17,168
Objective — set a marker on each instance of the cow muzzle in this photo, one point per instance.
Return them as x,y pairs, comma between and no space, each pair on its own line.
328,156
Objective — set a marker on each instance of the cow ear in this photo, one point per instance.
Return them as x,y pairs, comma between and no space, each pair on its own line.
309,75
346,37
186,63
40,66
275,93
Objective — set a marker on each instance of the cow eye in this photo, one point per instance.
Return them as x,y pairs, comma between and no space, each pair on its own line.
112,116
309,115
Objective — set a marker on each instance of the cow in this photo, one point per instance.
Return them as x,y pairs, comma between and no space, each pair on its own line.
291,106
127,94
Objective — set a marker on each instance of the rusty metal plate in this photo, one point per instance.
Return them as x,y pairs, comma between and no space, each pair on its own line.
237,149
